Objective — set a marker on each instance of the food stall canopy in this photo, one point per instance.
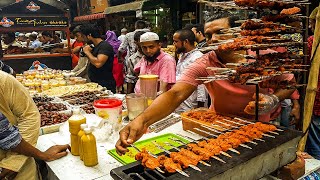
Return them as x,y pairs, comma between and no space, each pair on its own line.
134,6
89,17
35,15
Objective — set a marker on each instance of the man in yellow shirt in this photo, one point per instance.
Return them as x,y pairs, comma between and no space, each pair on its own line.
18,108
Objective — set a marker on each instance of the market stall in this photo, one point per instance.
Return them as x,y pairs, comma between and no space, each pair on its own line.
235,134
198,144
35,16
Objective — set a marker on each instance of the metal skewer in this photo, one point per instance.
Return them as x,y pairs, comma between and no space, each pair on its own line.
168,152
226,124
213,126
231,149
157,168
182,143
177,149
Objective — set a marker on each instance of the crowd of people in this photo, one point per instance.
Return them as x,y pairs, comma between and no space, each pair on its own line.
115,63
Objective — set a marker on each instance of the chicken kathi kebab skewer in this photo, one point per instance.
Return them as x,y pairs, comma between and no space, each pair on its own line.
184,161
203,154
147,160
155,162
188,154
242,137
262,127
259,133
248,122
225,144
209,153
170,165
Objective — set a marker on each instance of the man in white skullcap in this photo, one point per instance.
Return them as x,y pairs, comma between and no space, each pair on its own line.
124,31
155,62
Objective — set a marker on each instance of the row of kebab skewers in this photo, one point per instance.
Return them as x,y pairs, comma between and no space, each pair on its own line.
204,150
261,68
261,34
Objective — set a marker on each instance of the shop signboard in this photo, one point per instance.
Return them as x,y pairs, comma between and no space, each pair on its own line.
17,22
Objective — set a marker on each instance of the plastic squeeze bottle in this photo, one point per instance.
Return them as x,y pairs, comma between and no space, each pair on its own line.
89,148
74,127
80,134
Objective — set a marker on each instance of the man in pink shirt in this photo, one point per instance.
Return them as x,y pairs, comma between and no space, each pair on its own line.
227,98
155,62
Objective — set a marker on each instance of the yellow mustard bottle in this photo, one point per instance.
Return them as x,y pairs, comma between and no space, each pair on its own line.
89,148
80,134
74,127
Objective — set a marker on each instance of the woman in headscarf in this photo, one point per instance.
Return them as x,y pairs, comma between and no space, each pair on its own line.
117,71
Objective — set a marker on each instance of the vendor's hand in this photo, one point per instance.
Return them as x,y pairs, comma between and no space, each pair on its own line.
267,102
295,112
87,49
7,174
130,134
56,152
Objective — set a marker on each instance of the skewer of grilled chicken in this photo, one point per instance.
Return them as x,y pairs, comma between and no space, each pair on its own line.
270,130
203,156
236,127
277,129
166,162
258,136
196,141
178,158
240,125
246,136
231,144
147,159
187,153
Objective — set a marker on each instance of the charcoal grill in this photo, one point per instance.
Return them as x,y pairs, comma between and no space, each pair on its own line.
263,159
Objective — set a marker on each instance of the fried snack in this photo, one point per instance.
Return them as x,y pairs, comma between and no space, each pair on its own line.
290,11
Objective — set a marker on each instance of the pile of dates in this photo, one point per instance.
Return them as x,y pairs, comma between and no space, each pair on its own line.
51,118
42,106
82,98
81,94
89,109
38,99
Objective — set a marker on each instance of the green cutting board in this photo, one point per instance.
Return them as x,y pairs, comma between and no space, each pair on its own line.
129,156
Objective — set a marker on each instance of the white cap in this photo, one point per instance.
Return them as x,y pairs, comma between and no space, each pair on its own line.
21,34
124,30
149,36
83,126
28,34
87,130
35,33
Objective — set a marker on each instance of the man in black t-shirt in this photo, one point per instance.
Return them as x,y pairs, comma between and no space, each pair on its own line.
100,57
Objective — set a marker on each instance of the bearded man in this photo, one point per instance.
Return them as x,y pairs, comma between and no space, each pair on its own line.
155,62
